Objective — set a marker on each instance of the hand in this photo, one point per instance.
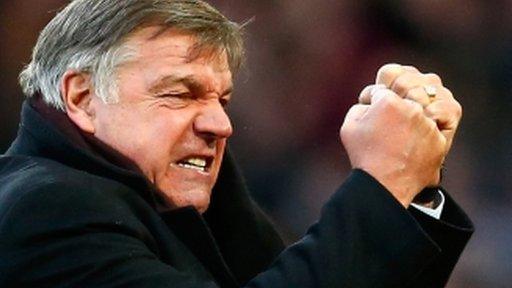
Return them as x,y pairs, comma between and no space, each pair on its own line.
393,140
409,83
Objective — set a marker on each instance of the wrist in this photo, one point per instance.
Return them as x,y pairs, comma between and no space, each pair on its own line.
402,187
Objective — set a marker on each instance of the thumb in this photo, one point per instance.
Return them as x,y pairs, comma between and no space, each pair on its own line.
388,73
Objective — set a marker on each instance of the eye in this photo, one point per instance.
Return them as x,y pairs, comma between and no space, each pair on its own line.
184,95
224,102
175,99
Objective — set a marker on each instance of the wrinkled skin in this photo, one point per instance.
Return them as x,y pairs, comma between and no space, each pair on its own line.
400,135
170,109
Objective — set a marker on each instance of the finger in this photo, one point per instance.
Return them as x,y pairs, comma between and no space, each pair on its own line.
410,68
388,73
383,94
443,93
408,81
413,107
446,113
365,97
424,123
419,95
446,122
433,79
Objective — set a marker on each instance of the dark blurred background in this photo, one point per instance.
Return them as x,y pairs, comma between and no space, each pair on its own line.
307,62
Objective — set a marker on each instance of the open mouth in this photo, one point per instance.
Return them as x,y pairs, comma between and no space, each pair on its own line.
197,163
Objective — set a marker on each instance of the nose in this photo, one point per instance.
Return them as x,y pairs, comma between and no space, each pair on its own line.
213,123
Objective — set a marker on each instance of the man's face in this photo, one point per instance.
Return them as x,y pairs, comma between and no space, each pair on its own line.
170,118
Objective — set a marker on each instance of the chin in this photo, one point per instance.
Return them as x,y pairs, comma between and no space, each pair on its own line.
200,201
201,209
202,206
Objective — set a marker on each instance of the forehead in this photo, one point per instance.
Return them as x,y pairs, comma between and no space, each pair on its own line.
172,46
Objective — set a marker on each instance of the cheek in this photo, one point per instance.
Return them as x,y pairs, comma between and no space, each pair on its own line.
129,135
167,129
149,137
110,128
221,147
160,139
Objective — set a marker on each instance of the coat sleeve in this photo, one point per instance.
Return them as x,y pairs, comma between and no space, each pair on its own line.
59,237
365,238
451,233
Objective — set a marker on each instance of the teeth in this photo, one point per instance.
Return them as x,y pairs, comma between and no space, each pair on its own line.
197,162
188,166
194,163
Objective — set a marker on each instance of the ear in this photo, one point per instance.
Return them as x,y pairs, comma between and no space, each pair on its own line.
77,93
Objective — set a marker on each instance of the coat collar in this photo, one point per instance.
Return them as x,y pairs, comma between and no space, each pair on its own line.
39,136
235,225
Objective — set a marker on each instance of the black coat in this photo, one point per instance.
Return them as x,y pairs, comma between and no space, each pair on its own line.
69,218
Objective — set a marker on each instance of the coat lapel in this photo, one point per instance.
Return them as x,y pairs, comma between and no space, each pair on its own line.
190,227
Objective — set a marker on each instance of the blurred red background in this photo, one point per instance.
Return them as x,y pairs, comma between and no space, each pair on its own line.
307,62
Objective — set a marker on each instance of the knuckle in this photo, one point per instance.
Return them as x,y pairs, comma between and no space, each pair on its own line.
448,93
400,84
452,103
365,94
413,109
417,95
411,68
383,97
389,100
388,68
434,78
457,109
387,73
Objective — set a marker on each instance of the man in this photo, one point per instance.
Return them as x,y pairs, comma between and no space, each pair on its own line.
119,176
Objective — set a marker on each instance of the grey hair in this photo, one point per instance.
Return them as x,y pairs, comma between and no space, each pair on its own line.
89,36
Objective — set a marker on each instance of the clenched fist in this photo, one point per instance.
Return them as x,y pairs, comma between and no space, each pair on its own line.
399,133
409,83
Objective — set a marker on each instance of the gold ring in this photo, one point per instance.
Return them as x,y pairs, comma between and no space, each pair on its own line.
431,91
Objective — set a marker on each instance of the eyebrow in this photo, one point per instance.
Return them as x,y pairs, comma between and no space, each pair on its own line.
188,81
